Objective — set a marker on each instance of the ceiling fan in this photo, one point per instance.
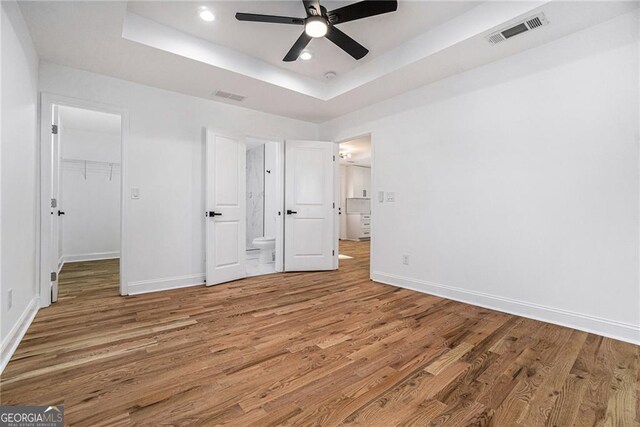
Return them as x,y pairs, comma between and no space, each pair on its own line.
320,23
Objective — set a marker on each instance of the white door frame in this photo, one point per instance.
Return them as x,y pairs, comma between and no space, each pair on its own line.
47,100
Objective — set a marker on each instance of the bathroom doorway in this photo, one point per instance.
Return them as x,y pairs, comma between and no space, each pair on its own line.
246,184
264,196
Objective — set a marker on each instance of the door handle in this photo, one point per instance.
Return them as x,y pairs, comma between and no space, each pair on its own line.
212,214
289,212
60,212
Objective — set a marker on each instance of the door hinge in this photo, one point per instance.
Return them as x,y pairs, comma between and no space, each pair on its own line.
54,276
334,158
334,205
54,203
54,129
333,253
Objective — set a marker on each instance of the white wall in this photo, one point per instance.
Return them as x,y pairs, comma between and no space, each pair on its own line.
517,183
164,158
255,194
18,177
90,228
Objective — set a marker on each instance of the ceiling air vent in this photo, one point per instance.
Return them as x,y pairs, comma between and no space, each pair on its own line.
528,24
228,95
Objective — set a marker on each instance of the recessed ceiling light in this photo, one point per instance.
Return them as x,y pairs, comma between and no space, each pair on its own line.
206,14
315,26
306,55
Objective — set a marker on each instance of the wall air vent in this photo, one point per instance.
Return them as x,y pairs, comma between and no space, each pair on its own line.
531,23
228,95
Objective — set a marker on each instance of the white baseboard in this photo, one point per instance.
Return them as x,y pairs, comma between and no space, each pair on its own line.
154,285
94,256
15,335
609,328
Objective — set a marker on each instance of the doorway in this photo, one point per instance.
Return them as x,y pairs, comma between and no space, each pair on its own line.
81,198
255,187
355,198
88,186
264,195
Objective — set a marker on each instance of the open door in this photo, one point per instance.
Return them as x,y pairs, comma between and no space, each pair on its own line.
225,209
56,211
310,216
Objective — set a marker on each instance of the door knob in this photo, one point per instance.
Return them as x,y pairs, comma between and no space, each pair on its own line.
212,214
289,212
60,212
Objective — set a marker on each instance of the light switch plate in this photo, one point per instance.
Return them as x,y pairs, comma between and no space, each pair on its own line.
391,196
135,193
381,196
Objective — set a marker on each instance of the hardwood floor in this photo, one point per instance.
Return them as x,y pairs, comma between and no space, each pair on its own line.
311,349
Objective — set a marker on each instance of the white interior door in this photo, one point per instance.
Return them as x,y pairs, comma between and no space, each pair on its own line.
310,214
56,211
225,203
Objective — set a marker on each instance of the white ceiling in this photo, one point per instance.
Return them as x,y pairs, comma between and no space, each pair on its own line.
359,151
270,42
165,45
89,120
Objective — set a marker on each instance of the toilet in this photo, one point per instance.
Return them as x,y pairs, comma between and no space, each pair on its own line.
266,246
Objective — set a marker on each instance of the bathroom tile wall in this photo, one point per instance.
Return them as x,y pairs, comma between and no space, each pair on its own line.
255,194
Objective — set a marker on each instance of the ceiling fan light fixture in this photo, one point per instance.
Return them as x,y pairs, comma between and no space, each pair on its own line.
306,55
206,14
315,26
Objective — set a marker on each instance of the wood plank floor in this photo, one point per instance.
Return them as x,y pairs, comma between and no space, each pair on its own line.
311,349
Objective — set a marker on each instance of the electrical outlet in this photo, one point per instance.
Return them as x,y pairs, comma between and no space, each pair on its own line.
405,259
9,299
391,196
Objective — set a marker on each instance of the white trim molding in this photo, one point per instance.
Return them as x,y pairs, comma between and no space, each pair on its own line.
12,340
47,101
95,256
155,285
597,325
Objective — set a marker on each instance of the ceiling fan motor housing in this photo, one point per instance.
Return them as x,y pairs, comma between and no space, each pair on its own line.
320,23
315,26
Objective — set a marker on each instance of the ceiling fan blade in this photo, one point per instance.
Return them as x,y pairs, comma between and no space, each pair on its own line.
312,4
363,9
269,18
346,43
297,48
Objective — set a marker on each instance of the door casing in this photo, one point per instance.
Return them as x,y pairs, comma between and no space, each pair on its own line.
44,229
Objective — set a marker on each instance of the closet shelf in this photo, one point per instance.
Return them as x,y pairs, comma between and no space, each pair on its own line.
90,162
84,165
